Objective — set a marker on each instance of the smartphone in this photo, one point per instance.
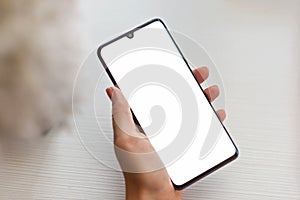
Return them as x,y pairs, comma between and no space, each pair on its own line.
154,76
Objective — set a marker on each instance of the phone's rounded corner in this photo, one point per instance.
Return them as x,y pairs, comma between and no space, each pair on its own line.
236,153
99,54
99,50
157,19
178,187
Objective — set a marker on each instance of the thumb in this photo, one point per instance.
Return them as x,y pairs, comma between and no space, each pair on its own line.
123,123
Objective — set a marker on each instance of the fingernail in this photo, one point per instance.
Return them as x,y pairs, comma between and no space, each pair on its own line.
109,91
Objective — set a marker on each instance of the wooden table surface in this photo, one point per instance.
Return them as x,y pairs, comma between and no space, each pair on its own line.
255,45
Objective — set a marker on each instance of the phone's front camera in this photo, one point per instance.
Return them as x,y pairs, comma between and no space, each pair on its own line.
130,35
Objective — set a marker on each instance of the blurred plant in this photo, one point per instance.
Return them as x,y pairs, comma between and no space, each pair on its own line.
41,48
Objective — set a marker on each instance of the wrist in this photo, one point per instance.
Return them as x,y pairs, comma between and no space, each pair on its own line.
146,194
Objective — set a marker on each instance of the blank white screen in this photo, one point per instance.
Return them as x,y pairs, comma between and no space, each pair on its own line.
188,165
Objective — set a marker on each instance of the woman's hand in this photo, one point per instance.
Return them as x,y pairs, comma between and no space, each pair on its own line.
148,184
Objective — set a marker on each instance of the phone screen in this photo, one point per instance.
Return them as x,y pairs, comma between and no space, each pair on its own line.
168,102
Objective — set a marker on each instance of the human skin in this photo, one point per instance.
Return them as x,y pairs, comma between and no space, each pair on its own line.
154,184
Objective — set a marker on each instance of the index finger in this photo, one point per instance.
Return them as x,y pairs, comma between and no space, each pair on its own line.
201,74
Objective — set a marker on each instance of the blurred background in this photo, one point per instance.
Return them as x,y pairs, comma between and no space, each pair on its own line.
255,45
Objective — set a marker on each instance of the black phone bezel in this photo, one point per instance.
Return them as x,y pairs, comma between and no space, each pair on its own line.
216,167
